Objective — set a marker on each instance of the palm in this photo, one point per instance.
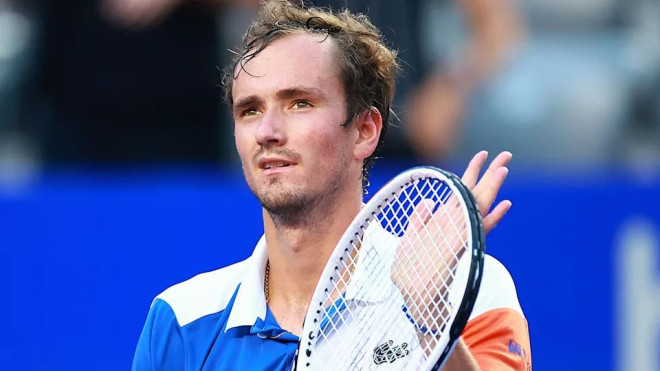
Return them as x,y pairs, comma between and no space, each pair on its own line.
431,247
427,257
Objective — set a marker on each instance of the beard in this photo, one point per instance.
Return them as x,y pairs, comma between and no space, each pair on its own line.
293,206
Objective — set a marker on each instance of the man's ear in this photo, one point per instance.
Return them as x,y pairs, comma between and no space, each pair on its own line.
369,126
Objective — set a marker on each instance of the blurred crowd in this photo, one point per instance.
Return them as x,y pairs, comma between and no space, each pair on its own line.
559,83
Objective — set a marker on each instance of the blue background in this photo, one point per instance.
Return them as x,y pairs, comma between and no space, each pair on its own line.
83,253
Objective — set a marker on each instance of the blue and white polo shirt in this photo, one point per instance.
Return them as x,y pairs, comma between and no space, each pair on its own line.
220,321
217,320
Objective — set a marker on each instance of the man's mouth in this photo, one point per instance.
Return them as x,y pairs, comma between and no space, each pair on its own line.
273,163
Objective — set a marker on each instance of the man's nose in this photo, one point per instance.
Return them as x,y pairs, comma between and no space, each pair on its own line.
271,129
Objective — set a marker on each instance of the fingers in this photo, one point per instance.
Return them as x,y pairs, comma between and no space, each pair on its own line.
487,188
494,217
486,191
421,215
501,160
474,168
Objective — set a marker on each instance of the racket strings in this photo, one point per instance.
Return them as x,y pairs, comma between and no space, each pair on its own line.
427,223
365,352
444,242
358,349
361,350
337,314
436,233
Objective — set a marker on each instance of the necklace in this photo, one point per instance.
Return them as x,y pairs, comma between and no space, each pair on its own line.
266,279
266,276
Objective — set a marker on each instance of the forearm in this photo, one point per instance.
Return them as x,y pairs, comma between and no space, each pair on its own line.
246,3
461,359
494,28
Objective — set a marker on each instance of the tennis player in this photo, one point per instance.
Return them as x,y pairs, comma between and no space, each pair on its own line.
310,95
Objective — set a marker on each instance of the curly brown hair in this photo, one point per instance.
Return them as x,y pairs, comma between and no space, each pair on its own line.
367,66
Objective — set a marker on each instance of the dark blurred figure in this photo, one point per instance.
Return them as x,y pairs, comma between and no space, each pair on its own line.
136,80
129,80
434,90
580,93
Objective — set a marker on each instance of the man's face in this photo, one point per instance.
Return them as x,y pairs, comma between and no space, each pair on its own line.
288,110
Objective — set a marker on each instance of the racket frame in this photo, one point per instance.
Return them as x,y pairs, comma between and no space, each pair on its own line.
356,230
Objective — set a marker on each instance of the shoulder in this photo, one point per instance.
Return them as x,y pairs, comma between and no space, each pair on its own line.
497,290
160,342
497,333
204,294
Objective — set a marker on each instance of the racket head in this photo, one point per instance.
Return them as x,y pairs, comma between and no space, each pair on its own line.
361,315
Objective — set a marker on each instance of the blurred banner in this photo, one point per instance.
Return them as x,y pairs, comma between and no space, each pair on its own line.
84,253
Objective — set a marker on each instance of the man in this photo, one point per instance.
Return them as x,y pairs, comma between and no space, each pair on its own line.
310,96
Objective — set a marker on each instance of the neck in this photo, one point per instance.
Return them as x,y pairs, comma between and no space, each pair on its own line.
298,252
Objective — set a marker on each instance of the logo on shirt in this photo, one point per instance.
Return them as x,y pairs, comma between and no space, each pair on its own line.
388,353
515,348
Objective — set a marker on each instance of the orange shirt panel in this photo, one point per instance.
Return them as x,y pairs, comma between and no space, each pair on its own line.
499,340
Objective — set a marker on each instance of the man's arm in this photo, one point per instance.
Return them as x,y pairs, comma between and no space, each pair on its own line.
436,106
461,359
497,335
498,339
139,14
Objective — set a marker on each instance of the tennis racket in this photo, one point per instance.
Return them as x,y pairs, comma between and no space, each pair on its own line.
400,286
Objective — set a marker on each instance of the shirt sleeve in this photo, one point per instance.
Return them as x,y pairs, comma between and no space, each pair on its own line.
499,340
160,346
497,333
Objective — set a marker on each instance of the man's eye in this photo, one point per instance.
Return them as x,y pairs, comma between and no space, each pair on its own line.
302,104
249,112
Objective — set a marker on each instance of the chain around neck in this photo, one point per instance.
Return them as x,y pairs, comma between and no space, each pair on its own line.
266,280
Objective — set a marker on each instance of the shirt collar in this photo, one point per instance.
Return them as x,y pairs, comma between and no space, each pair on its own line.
250,303
250,307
